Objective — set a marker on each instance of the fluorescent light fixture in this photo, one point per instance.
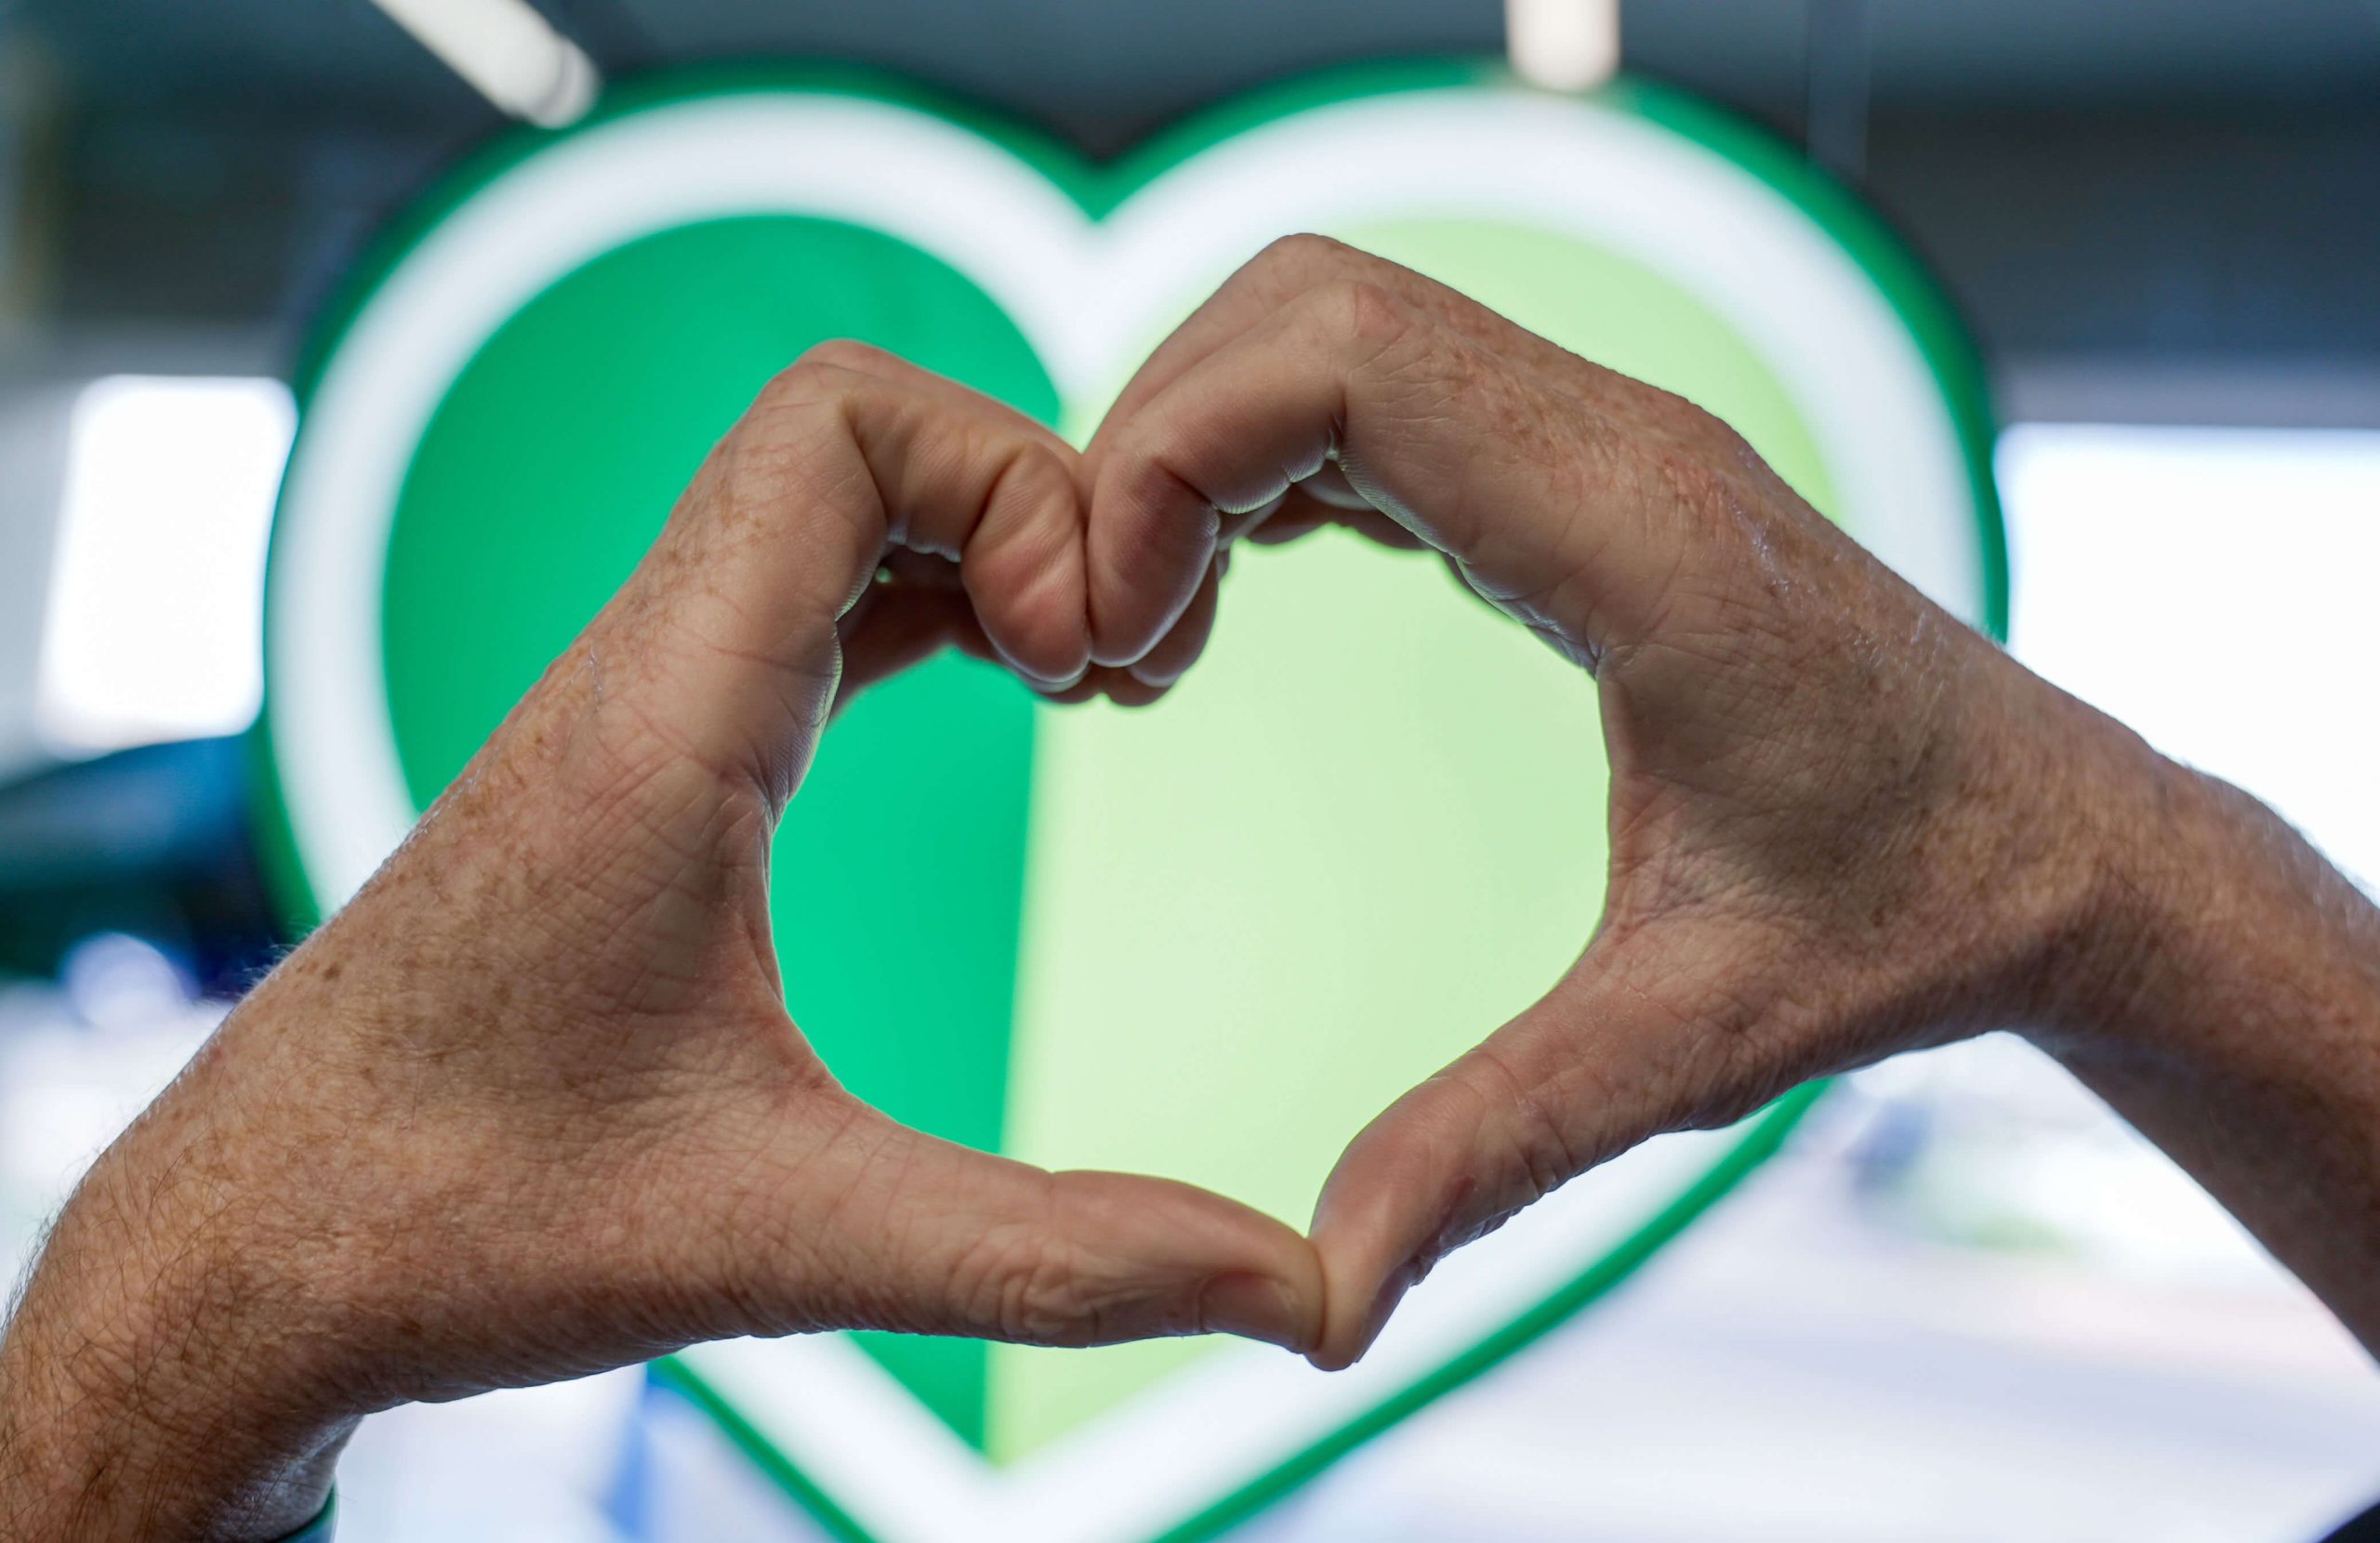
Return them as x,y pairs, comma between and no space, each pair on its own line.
152,630
1563,45
507,52
2214,588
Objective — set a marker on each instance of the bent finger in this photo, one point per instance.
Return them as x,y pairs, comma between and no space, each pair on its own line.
846,456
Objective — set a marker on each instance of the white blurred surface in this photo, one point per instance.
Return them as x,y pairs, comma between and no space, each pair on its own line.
2216,589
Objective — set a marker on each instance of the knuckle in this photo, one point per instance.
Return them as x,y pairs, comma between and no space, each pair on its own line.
1685,481
1728,458
1029,518
1039,1301
820,378
1016,1284
1357,316
845,353
1713,441
1728,447
800,386
1302,254
1023,561
1034,478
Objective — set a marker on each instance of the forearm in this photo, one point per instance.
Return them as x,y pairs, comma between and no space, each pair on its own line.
2238,1026
143,1393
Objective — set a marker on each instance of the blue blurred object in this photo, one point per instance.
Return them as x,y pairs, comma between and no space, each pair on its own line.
113,980
155,844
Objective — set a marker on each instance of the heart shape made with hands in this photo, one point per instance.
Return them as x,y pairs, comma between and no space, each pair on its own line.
1208,941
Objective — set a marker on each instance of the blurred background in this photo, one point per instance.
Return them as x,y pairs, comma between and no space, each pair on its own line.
1967,1304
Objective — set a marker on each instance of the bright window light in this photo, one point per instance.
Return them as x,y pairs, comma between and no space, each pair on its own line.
2218,589
152,630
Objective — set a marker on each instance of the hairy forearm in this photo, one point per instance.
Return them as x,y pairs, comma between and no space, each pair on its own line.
2238,1028
144,1389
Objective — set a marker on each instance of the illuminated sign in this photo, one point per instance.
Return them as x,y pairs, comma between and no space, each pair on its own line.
1208,941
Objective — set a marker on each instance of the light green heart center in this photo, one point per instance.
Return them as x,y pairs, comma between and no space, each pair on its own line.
1365,830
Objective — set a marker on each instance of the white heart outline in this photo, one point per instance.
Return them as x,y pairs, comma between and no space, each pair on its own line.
1080,288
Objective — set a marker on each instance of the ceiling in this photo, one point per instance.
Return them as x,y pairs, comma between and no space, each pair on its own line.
2162,184
1095,67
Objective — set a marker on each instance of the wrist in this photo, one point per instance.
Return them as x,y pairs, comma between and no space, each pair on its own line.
2151,841
2233,1015
2220,939
149,1383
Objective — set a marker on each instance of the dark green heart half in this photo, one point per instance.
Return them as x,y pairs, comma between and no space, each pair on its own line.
899,873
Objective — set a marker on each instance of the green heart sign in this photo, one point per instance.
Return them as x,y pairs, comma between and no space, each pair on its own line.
1209,939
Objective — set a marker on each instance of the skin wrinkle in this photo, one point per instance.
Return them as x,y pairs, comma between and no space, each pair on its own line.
764,1253
1810,771
1544,1144
1045,584
532,1104
1023,1285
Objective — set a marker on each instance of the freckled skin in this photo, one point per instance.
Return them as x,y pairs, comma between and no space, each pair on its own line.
1842,824
531,1106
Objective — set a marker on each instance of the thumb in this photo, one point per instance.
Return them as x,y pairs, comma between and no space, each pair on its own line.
926,1237
1621,1051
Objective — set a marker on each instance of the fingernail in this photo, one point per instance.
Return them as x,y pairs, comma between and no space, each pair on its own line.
1037,681
1254,1307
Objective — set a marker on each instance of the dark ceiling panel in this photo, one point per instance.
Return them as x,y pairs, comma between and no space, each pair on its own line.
1098,70
252,57
1091,61
2128,53
2122,177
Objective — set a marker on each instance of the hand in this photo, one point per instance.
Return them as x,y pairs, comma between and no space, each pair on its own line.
1842,824
531,1105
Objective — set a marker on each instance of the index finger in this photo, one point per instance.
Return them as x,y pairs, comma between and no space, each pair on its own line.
1146,557
1551,507
1283,271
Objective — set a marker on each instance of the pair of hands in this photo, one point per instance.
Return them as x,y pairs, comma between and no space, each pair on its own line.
531,1106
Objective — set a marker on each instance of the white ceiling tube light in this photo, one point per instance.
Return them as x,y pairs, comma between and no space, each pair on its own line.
509,52
1563,45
